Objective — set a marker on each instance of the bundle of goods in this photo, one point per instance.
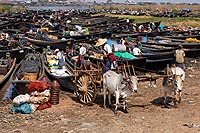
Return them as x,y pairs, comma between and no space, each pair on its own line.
37,99
53,65
21,104
39,94
192,40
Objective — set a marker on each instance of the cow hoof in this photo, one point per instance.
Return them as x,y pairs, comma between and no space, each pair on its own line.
115,111
179,100
125,110
104,106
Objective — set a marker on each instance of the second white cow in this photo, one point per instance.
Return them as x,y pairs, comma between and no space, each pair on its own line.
174,84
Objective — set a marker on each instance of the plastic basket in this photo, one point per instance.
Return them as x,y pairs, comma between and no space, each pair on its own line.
30,76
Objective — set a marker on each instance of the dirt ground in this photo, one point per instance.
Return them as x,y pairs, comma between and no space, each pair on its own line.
146,115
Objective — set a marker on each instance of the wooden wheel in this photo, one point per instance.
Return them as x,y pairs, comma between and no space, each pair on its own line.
85,88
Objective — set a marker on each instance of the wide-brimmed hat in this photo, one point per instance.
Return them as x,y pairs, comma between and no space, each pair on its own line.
80,43
100,42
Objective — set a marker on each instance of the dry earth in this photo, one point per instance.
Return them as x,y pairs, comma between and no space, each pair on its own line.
146,115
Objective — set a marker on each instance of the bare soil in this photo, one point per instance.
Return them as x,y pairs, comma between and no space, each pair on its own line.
146,113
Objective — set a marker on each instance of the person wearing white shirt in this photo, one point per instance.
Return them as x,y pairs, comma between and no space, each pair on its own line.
82,52
136,51
60,57
123,41
109,58
107,48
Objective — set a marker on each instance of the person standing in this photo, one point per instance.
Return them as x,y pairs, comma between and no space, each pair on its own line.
179,55
82,52
60,57
127,45
108,56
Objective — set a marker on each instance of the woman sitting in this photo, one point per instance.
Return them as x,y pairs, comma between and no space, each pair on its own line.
136,51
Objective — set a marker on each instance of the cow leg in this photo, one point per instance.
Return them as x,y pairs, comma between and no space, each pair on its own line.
165,99
179,97
109,99
117,100
175,99
124,105
104,97
154,85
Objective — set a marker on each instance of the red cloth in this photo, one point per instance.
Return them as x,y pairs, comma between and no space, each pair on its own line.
112,57
37,86
44,106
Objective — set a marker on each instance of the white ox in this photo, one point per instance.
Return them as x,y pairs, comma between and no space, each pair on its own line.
173,84
113,84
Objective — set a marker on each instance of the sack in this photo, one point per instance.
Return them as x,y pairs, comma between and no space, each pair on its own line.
44,106
20,99
24,109
37,86
112,57
119,47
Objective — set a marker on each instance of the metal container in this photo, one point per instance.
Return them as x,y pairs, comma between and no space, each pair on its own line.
55,93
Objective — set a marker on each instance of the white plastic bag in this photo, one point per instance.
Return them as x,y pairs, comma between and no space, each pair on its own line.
20,99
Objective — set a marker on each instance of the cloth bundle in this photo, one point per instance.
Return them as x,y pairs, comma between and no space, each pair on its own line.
37,86
39,95
20,104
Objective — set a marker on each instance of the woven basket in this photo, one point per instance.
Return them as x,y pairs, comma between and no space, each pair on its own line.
30,76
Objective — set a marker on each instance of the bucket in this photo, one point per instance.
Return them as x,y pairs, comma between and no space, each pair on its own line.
30,76
55,92
144,39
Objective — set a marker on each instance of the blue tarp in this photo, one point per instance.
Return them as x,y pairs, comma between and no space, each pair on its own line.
111,42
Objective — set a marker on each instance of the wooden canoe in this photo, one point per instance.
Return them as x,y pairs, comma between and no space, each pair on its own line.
31,68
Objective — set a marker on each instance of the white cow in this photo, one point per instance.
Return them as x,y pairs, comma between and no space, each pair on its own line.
113,84
174,84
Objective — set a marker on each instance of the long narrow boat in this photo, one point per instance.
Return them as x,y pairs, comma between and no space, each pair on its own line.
15,49
31,68
158,64
6,68
53,43
158,55
174,44
183,37
64,76
161,50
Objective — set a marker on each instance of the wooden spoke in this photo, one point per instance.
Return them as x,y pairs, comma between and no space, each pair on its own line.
85,88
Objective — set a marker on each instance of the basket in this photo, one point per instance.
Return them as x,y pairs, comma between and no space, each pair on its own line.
30,76
3,69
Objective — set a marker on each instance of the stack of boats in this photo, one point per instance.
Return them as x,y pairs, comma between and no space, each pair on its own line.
47,30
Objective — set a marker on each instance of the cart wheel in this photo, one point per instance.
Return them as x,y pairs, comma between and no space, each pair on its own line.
85,88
